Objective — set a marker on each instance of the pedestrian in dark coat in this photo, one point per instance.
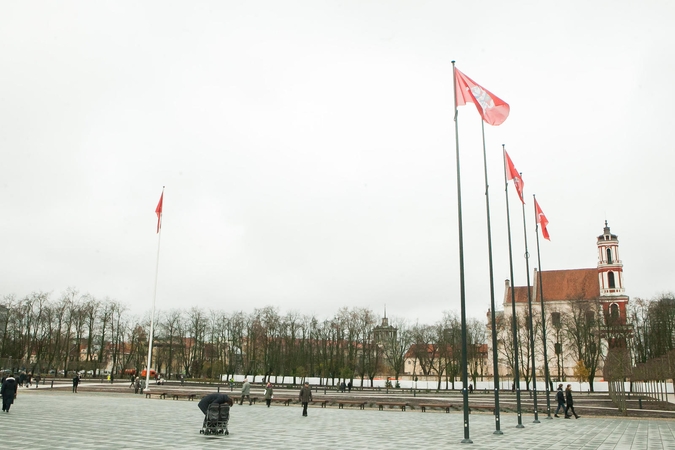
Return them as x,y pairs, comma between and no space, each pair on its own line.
8,392
305,397
560,397
570,403
76,381
268,394
218,399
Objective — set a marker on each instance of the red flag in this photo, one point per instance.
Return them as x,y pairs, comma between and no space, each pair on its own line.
541,220
158,210
512,174
492,109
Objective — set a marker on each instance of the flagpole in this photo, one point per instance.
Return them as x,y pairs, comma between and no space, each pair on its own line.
514,328
154,298
529,319
465,375
495,358
543,314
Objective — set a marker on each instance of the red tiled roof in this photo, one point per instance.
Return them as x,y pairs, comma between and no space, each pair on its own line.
560,285
573,284
521,295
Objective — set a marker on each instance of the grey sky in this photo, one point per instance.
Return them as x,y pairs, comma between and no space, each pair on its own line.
307,148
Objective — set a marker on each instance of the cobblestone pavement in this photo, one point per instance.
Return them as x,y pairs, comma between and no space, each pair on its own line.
57,419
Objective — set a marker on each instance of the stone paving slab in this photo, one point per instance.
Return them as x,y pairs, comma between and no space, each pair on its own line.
54,419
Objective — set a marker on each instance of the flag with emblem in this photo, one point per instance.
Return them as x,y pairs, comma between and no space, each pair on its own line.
491,108
541,220
512,174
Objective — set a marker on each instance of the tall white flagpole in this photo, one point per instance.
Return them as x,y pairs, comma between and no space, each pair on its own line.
154,296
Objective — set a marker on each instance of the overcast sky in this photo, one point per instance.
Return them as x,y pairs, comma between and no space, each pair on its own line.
308,148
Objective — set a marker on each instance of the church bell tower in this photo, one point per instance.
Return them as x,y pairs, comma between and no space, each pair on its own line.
610,277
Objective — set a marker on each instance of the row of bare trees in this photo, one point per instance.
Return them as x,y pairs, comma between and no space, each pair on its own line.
78,331
73,332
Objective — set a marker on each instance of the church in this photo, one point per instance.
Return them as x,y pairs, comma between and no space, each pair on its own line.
585,317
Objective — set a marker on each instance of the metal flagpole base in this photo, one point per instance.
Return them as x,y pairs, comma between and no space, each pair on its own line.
467,441
549,418
520,425
498,432
536,421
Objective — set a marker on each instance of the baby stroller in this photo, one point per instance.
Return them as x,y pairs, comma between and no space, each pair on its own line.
215,420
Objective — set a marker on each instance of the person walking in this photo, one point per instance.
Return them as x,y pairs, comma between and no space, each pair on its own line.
246,392
570,403
268,394
8,392
560,397
305,398
76,381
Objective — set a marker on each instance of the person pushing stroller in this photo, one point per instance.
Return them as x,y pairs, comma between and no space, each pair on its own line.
216,409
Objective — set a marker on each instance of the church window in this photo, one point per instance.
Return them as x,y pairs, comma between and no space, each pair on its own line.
609,256
614,311
555,318
610,279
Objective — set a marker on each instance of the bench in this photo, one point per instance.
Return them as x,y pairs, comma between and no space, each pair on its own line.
360,404
190,397
241,399
323,402
481,408
381,405
424,406
161,395
285,401
237,399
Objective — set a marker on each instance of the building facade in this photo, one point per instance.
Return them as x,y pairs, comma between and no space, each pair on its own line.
585,317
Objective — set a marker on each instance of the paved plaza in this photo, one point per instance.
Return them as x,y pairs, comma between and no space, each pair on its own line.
58,419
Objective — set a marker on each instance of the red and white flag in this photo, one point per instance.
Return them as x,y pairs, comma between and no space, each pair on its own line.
158,211
541,220
492,109
512,174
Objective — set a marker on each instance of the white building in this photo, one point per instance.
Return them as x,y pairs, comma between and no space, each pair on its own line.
590,301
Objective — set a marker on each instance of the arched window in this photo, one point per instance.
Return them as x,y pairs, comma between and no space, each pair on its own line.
610,279
614,311
609,256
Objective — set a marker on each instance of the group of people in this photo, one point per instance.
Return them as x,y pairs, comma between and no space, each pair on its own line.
305,397
344,386
565,402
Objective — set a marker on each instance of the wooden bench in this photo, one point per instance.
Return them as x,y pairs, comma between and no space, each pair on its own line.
360,404
190,397
381,405
323,402
241,399
161,395
481,408
237,399
285,401
424,406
